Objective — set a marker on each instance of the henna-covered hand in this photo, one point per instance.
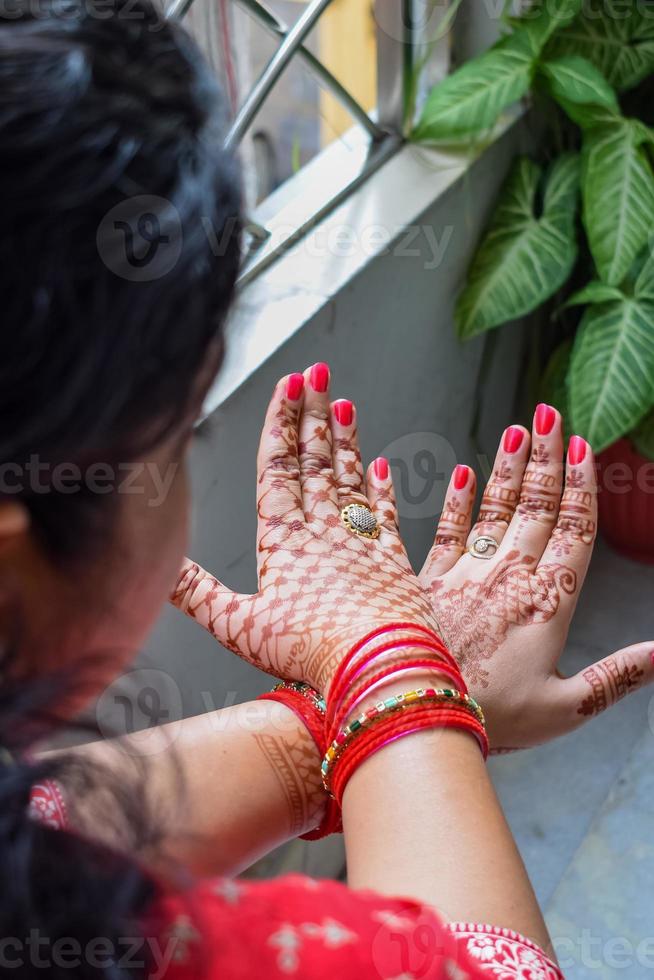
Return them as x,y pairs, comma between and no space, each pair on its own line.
321,587
506,619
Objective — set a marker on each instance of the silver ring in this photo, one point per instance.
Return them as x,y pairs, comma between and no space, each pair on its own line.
483,547
360,520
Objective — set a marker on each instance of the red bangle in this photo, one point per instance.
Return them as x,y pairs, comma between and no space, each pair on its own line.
347,672
309,714
414,719
303,702
379,631
358,696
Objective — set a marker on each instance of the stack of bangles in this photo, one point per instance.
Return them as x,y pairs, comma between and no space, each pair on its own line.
383,655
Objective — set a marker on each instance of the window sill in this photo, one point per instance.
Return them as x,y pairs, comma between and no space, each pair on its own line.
381,216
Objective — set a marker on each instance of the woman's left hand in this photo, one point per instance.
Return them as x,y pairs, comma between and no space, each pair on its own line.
321,586
505,612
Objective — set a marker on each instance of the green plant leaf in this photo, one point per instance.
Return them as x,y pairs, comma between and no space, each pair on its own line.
618,198
523,258
576,80
644,283
643,437
471,99
622,47
589,116
611,378
543,18
554,383
595,292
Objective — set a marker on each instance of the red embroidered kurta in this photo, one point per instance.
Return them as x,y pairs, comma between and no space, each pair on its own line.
314,930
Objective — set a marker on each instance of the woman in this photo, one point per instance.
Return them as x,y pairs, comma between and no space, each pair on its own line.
104,373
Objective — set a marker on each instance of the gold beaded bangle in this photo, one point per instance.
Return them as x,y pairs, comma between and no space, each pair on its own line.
396,703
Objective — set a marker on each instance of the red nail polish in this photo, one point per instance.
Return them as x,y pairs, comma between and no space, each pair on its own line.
513,439
380,466
577,450
294,386
343,410
319,377
544,419
461,475
652,656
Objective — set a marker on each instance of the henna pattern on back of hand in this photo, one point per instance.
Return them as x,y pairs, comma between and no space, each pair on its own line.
475,617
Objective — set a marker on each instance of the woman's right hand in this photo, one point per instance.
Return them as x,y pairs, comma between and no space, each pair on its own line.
321,587
506,619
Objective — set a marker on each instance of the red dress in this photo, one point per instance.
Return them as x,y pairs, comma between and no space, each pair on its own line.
299,927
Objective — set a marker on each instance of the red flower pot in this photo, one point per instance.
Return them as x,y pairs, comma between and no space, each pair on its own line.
626,501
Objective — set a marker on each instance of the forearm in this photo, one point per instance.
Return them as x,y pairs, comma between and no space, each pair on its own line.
421,819
228,786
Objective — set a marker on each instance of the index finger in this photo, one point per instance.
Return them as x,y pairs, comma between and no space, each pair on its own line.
279,495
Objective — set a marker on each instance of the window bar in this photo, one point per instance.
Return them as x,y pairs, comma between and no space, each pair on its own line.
178,9
277,27
261,90
394,19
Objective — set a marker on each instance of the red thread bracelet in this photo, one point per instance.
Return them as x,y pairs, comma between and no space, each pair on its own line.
313,719
415,718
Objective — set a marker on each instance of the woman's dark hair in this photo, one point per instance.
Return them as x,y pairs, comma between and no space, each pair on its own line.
119,250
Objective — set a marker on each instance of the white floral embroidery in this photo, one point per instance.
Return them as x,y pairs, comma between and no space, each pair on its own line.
47,805
289,940
229,891
505,954
482,948
182,932
393,920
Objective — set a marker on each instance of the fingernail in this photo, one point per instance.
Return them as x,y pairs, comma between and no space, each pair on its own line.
544,419
380,466
513,439
319,377
343,410
461,475
294,386
577,450
652,656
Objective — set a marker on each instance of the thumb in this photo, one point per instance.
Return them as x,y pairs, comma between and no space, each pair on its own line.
215,607
599,686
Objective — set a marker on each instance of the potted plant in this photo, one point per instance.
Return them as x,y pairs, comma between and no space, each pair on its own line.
572,233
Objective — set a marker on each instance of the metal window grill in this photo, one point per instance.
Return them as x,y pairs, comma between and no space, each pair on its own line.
385,127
